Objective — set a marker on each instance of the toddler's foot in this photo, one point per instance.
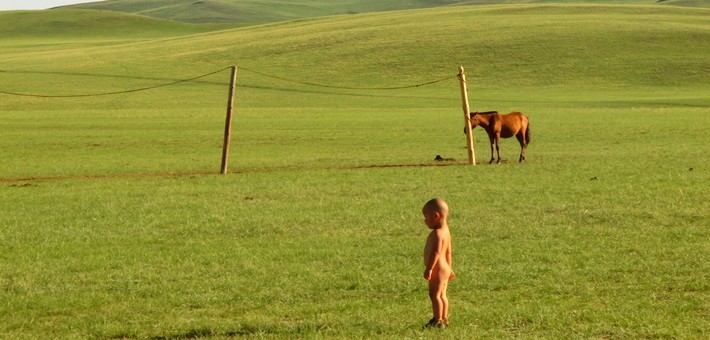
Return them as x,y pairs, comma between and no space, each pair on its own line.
434,323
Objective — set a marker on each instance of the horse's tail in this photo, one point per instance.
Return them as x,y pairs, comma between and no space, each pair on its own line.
527,134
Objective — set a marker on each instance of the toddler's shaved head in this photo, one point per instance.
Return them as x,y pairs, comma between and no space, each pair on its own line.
437,205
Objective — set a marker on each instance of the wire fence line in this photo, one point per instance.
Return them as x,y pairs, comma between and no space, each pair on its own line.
346,87
263,74
104,75
112,93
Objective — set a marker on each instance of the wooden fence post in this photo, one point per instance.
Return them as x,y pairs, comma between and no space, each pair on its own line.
228,123
466,110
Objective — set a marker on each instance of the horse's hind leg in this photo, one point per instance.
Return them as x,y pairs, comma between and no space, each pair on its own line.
521,139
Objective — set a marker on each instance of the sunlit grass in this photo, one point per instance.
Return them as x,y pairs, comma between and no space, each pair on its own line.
317,231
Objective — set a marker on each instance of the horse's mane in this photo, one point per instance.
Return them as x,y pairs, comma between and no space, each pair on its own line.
486,112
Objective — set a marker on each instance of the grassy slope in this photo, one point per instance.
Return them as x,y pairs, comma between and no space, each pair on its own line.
70,25
614,47
253,11
684,3
263,11
542,250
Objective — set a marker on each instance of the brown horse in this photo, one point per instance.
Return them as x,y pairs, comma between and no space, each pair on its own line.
502,126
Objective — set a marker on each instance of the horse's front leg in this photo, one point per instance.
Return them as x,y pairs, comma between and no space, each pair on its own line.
493,146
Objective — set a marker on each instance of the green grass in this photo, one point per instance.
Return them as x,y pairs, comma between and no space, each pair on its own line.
317,231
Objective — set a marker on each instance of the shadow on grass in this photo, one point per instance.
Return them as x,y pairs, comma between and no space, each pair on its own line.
200,333
28,180
247,330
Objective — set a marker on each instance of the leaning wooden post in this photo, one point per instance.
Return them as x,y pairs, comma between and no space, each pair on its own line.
228,123
466,110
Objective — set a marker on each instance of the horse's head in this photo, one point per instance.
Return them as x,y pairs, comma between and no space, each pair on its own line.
480,118
473,119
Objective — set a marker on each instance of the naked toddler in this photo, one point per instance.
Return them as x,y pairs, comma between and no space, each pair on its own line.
437,259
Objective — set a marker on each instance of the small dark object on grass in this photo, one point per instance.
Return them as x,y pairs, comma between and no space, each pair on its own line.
438,158
26,185
594,178
691,169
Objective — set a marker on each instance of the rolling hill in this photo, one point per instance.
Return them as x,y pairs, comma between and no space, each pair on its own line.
554,44
81,24
250,12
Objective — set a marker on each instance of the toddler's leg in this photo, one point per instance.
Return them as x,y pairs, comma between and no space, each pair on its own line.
436,304
445,302
437,294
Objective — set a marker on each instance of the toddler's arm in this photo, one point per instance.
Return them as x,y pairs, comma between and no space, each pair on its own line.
448,259
434,253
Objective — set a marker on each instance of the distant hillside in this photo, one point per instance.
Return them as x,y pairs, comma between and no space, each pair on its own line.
521,45
683,3
80,24
250,12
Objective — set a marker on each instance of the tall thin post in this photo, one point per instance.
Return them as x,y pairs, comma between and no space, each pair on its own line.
228,122
466,110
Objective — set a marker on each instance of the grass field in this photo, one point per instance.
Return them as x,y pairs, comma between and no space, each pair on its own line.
116,224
